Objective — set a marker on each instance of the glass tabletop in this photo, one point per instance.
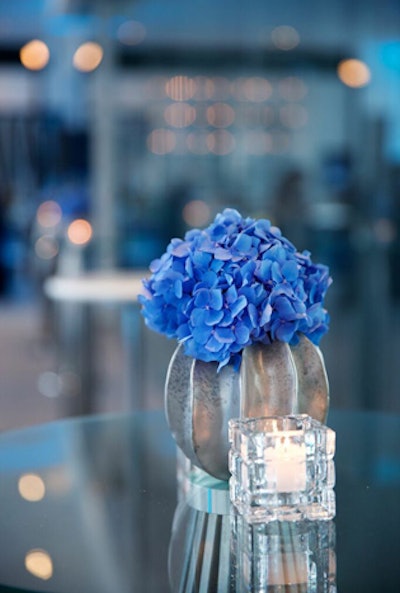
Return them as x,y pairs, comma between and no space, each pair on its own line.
88,505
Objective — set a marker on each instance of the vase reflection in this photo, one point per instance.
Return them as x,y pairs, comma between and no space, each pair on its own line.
213,549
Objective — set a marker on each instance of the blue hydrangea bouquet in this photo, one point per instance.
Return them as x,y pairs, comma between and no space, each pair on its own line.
247,310
235,283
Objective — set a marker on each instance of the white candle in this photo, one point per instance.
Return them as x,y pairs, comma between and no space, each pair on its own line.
287,463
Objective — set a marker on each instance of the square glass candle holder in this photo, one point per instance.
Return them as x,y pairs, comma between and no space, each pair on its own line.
282,468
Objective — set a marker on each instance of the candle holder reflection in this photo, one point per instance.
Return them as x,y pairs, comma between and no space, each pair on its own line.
284,556
213,549
282,468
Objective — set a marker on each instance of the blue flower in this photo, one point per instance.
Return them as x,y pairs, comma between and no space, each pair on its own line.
237,282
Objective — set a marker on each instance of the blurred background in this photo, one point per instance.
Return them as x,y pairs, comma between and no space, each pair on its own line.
124,123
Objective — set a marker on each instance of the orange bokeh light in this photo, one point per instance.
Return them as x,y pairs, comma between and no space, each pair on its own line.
80,231
354,73
34,55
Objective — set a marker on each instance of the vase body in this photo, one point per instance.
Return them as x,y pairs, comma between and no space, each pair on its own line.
274,380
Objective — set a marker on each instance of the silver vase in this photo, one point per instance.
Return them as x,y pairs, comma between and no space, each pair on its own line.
274,380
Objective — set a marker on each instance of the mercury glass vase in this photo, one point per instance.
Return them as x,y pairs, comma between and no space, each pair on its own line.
274,380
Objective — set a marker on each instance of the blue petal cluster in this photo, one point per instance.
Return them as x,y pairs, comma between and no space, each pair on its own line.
237,282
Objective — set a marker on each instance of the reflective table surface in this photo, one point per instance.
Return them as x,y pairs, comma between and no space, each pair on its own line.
87,505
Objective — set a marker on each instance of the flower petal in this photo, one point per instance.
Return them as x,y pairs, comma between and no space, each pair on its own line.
201,334
239,305
242,333
202,297
213,316
290,271
198,317
266,314
223,254
215,299
214,345
242,243
225,335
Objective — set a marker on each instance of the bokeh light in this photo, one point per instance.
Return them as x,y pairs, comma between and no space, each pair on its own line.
34,55
155,87
267,116
196,213
80,231
180,115
237,88
131,32
197,142
285,37
205,88
257,142
49,384
293,115
222,88
255,116
354,73
31,487
46,247
49,214
257,89
220,115
88,56
384,230
292,88
161,141
180,88
221,142
39,563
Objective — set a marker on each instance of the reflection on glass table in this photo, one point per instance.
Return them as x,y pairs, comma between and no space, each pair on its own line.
215,549
88,505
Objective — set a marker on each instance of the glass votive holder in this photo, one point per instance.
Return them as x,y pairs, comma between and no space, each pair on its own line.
282,468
